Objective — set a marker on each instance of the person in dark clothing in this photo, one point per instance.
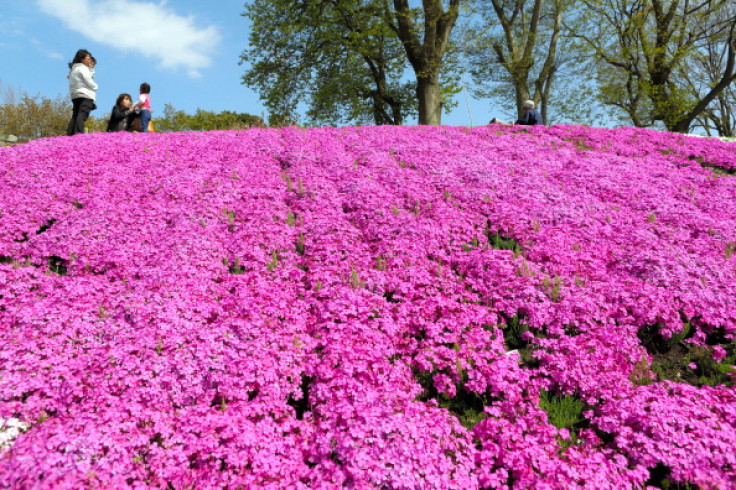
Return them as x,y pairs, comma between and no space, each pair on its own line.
121,115
531,115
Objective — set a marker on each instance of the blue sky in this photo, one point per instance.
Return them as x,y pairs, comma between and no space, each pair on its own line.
188,50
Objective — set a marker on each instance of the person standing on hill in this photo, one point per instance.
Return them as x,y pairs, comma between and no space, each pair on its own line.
82,89
531,115
144,106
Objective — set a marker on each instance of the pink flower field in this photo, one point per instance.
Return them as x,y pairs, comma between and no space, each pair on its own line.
374,307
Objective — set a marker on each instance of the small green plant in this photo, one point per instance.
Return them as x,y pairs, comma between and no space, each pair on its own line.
719,171
291,219
474,243
271,266
380,263
300,244
230,218
236,268
551,287
42,418
355,281
287,179
684,362
710,372
467,406
730,248
655,342
57,265
160,346
524,269
580,143
501,242
641,374
563,411
652,218
513,330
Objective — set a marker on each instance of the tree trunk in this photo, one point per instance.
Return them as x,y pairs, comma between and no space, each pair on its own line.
521,38
425,55
378,114
398,116
430,101
682,125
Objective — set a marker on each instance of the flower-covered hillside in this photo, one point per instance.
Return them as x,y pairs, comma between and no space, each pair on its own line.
368,308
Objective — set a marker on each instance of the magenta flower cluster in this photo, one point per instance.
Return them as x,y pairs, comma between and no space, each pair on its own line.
299,308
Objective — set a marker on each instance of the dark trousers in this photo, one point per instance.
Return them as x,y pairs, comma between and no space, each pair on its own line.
80,113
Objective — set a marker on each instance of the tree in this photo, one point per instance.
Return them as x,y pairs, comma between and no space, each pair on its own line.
640,45
720,116
201,120
435,23
705,71
525,46
336,56
30,117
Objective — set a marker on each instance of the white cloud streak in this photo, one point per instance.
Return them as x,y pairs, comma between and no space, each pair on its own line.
49,53
150,29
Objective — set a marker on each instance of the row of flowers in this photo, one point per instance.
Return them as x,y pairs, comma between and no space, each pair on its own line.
368,307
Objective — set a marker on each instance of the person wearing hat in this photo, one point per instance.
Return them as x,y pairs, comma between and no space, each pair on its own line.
531,115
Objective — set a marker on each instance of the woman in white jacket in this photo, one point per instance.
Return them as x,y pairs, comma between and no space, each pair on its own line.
83,90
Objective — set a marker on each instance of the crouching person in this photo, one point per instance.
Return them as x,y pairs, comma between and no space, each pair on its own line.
122,114
531,115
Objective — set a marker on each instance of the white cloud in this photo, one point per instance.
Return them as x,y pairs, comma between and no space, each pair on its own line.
150,29
50,53
54,55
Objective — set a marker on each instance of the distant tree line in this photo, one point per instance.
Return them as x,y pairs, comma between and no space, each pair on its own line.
201,120
30,117
647,63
